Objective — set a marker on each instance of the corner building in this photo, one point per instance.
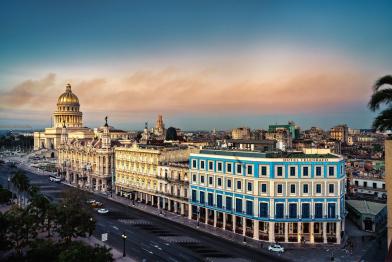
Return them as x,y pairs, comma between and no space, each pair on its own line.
284,197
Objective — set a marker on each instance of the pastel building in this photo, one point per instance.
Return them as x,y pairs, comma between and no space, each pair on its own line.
285,196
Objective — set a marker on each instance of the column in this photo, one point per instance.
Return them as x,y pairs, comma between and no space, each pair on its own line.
107,165
243,226
338,229
234,222
311,232
169,204
215,218
97,185
189,211
146,200
224,221
271,231
163,203
299,232
182,209
256,229
206,217
325,232
175,206
286,232
159,203
152,201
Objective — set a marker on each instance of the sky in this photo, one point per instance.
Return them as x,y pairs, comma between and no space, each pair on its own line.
201,64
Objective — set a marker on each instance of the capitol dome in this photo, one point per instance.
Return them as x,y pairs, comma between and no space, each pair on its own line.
68,98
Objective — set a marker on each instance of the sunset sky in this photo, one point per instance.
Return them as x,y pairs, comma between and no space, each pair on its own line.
202,64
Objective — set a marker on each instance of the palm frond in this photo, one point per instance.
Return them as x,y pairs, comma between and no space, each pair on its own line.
385,80
383,121
379,97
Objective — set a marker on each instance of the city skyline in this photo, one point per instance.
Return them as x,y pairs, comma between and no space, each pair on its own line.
202,65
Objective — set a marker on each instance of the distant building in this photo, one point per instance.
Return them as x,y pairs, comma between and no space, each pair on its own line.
282,137
159,129
258,145
241,133
339,133
369,185
367,215
291,127
67,113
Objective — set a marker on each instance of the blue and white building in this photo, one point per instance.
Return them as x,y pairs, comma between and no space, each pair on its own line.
278,196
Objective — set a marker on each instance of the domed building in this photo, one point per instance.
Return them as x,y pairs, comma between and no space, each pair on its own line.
68,115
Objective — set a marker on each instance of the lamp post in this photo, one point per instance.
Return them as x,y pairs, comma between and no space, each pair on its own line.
124,237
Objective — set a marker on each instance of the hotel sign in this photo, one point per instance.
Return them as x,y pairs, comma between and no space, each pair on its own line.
306,159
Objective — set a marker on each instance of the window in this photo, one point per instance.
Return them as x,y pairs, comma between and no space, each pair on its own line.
219,201
263,188
318,207
331,210
238,205
194,163
279,210
305,210
249,169
305,188
229,183
292,171
202,197
194,178
220,166
292,189
374,185
202,179
194,197
356,182
202,164
229,168
292,210
280,189
305,171
210,199
318,188
318,170
219,181
238,185
331,189
331,171
210,180
239,169
365,184
249,207
229,203
263,170
263,209
279,171
210,165
383,186
250,186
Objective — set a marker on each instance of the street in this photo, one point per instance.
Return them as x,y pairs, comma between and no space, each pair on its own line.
150,237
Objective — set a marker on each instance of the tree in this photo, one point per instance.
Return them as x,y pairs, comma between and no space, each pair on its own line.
80,252
22,184
5,196
382,96
171,134
71,218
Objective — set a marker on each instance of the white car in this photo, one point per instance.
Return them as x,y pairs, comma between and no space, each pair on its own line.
103,211
54,179
276,248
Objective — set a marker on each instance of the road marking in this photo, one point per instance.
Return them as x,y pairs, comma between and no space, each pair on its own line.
148,251
116,228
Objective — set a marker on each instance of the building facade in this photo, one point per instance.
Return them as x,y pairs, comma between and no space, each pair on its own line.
173,187
68,113
369,185
137,169
87,163
241,133
339,133
285,197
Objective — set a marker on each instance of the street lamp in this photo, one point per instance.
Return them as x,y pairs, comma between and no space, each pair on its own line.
124,237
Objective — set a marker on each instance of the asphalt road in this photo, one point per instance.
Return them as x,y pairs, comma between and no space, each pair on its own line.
149,237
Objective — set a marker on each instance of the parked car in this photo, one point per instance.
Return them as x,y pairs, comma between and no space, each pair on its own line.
276,248
103,211
96,204
55,179
90,201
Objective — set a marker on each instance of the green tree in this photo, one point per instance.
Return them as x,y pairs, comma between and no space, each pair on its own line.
382,96
22,185
5,244
171,134
72,219
5,196
80,252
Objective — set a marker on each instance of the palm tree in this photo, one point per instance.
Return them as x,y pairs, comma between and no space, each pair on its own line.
382,96
22,184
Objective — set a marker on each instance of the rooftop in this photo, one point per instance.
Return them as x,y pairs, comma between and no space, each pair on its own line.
366,207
